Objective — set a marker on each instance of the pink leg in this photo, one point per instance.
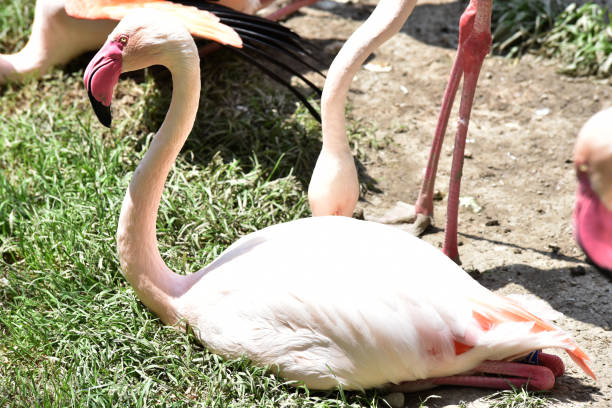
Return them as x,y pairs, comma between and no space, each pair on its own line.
424,204
509,374
465,108
554,363
534,377
289,9
474,44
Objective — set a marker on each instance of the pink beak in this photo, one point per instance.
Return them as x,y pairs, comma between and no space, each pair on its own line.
101,76
593,224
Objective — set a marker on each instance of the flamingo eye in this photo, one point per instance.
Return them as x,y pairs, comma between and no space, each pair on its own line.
123,40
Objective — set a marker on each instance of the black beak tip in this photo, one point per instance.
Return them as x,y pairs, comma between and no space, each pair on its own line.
102,112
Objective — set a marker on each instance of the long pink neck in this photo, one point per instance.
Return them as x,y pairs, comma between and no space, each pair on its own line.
386,20
155,284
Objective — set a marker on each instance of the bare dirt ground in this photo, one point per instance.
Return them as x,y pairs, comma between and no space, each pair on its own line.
518,168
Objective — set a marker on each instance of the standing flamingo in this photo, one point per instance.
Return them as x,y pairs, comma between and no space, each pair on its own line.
593,211
325,301
334,186
64,29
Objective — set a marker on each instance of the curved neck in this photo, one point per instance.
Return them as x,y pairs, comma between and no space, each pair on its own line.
155,284
386,20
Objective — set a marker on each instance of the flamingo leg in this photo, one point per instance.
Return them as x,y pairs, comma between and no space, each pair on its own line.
554,363
475,28
474,45
424,204
518,375
508,375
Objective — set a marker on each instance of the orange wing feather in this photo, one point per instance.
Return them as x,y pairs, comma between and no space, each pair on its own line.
488,316
200,23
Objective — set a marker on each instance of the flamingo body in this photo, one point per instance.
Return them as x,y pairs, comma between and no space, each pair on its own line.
333,300
326,301
593,210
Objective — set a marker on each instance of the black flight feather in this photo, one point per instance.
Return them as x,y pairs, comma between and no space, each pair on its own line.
263,42
278,79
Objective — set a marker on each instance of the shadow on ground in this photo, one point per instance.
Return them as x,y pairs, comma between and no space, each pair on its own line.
581,293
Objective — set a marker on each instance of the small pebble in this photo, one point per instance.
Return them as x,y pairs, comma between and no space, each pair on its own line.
470,203
492,223
578,271
438,195
327,5
378,67
358,213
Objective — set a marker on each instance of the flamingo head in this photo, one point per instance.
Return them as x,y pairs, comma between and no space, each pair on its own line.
143,38
593,210
334,186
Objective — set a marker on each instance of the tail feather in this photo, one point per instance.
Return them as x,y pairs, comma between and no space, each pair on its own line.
580,358
506,309
499,310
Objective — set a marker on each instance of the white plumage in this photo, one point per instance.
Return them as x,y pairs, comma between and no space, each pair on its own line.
333,300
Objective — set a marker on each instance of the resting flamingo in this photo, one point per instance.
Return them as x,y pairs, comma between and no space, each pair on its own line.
593,211
325,301
334,185
64,29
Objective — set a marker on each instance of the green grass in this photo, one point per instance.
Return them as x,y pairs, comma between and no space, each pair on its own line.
517,398
582,40
15,20
579,38
521,25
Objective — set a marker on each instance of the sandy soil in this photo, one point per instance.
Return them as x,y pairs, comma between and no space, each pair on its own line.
518,169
